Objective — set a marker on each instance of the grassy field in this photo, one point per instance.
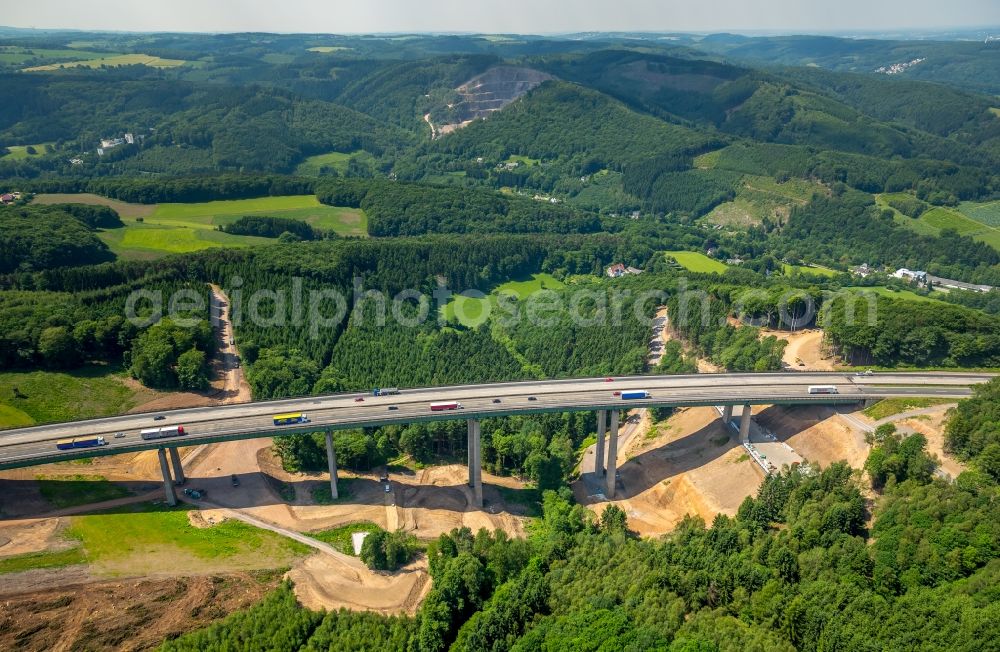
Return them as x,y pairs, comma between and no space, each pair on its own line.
904,295
995,111
979,221
30,561
46,396
694,261
19,152
818,270
112,60
523,160
70,491
890,406
336,160
326,49
181,228
144,538
472,312
340,537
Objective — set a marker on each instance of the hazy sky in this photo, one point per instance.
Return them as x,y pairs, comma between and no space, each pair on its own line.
523,16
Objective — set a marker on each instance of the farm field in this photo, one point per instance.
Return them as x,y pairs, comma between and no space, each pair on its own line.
987,213
15,55
47,396
979,221
473,312
694,261
112,60
183,228
326,49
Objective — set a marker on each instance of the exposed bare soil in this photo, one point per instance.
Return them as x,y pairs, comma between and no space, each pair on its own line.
689,464
124,209
134,614
816,433
805,350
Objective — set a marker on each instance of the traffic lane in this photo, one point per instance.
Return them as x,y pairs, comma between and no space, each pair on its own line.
360,413
361,416
352,410
512,390
108,427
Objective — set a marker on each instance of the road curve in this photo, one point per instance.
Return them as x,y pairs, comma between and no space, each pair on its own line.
36,445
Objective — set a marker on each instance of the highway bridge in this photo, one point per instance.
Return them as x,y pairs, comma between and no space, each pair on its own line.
37,445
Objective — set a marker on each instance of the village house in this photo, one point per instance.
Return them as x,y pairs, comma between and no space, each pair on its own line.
910,275
619,269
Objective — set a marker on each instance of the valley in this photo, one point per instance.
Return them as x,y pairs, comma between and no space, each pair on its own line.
209,218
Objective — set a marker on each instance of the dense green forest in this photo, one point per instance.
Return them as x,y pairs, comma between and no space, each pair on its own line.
272,227
34,238
972,430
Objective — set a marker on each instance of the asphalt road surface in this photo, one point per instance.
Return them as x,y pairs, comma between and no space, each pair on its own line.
37,444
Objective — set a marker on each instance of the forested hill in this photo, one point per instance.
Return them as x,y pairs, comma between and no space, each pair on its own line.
580,128
970,64
843,112
180,127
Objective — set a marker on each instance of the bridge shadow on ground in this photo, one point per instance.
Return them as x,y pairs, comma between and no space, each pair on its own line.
26,499
692,451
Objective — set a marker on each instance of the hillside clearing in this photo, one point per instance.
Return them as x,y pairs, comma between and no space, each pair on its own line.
694,261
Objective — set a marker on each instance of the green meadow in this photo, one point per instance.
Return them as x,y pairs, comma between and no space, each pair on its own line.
472,312
694,261
151,231
27,398
817,270
18,152
976,220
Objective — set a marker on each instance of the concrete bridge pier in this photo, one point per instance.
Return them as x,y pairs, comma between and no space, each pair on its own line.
175,461
612,468
602,426
727,415
331,460
745,417
475,462
168,483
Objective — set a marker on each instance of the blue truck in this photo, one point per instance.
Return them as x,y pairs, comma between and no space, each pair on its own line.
80,442
634,394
